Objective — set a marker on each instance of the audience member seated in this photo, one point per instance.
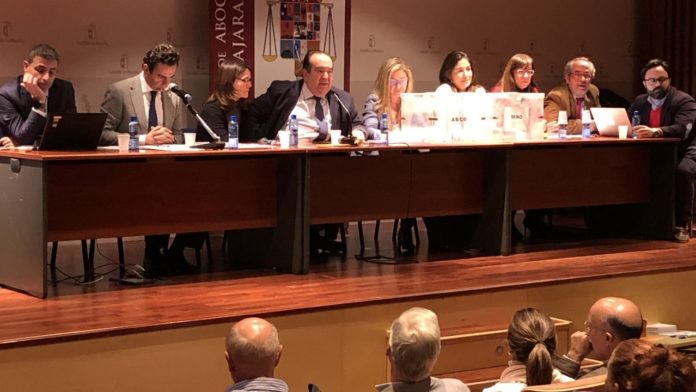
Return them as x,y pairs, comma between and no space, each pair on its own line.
532,342
639,366
457,74
25,100
319,107
159,112
229,97
252,351
414,346
575,95
668,112
518,76
393,79
610,321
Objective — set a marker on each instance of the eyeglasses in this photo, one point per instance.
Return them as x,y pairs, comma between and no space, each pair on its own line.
524,72
244,80
589,326
659,80
581,75
398,82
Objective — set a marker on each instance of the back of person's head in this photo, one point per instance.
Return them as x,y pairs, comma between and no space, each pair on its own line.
161,54
654,63
43,50
639,366
252,349
227,72
517,61
532,340
414,345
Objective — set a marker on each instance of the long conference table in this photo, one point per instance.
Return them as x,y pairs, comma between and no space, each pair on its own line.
58,196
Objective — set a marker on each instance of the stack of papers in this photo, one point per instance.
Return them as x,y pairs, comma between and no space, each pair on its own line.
660,329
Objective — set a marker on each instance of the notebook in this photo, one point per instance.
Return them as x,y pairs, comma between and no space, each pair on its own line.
608,120
72,131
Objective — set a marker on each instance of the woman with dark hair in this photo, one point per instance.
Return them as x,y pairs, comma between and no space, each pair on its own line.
457,74
232,85
518,76
532,342
639,366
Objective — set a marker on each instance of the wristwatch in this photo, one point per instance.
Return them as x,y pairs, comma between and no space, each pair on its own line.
39,105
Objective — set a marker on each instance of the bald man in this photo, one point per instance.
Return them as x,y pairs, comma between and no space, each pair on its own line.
611,320
252,351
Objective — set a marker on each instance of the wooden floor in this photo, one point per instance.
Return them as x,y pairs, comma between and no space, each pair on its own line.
106,308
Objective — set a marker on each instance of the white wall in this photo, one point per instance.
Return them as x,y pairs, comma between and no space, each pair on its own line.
121,33
490,31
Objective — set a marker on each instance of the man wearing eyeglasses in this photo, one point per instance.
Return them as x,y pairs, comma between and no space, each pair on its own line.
575,95
610,321
668,112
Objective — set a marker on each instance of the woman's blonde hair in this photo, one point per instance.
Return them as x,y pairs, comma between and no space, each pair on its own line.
382,84
532,340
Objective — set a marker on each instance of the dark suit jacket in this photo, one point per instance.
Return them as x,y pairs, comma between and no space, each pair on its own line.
216,117
560,98
22,124
269,112
678,110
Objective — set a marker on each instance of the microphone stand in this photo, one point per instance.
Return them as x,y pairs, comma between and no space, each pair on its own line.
216,144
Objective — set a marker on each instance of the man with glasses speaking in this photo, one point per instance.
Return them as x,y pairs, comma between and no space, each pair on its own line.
575,95
668,112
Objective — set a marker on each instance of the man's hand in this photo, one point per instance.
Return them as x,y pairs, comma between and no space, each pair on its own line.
30,83
552,127
159,135
580,346
643,131
6,142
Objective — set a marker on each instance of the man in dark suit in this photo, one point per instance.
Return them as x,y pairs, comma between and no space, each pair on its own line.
313,99
319,107
668,112
25,100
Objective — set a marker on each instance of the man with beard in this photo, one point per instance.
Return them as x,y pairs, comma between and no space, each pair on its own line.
575,95
668,112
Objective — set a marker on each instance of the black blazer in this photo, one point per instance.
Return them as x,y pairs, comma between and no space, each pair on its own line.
216,117
22,124
678,110
269,112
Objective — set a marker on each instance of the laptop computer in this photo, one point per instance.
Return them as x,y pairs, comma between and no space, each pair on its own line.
608,120
72,131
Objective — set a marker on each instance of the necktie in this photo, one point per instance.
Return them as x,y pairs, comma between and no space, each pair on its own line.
578,107
319,115
152,115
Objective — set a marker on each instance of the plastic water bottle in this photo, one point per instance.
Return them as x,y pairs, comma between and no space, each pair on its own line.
635,121
133,131
232,133
586,121
292,127
562,124
384,129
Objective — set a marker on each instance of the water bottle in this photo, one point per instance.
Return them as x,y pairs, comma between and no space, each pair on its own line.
133,131
635,121
232,133
586,121
384,129
292,127
562,124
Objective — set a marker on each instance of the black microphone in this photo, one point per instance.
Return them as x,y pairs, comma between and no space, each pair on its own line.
173,87
345,109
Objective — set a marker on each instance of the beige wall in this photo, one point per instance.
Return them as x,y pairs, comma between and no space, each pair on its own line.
339,350
491,31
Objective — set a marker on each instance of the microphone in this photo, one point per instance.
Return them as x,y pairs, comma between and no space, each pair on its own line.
347,134
173,87
216,144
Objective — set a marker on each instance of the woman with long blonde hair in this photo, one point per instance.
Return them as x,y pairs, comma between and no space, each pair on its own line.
394,77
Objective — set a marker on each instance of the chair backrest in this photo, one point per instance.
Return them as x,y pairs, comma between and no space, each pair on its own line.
595,383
